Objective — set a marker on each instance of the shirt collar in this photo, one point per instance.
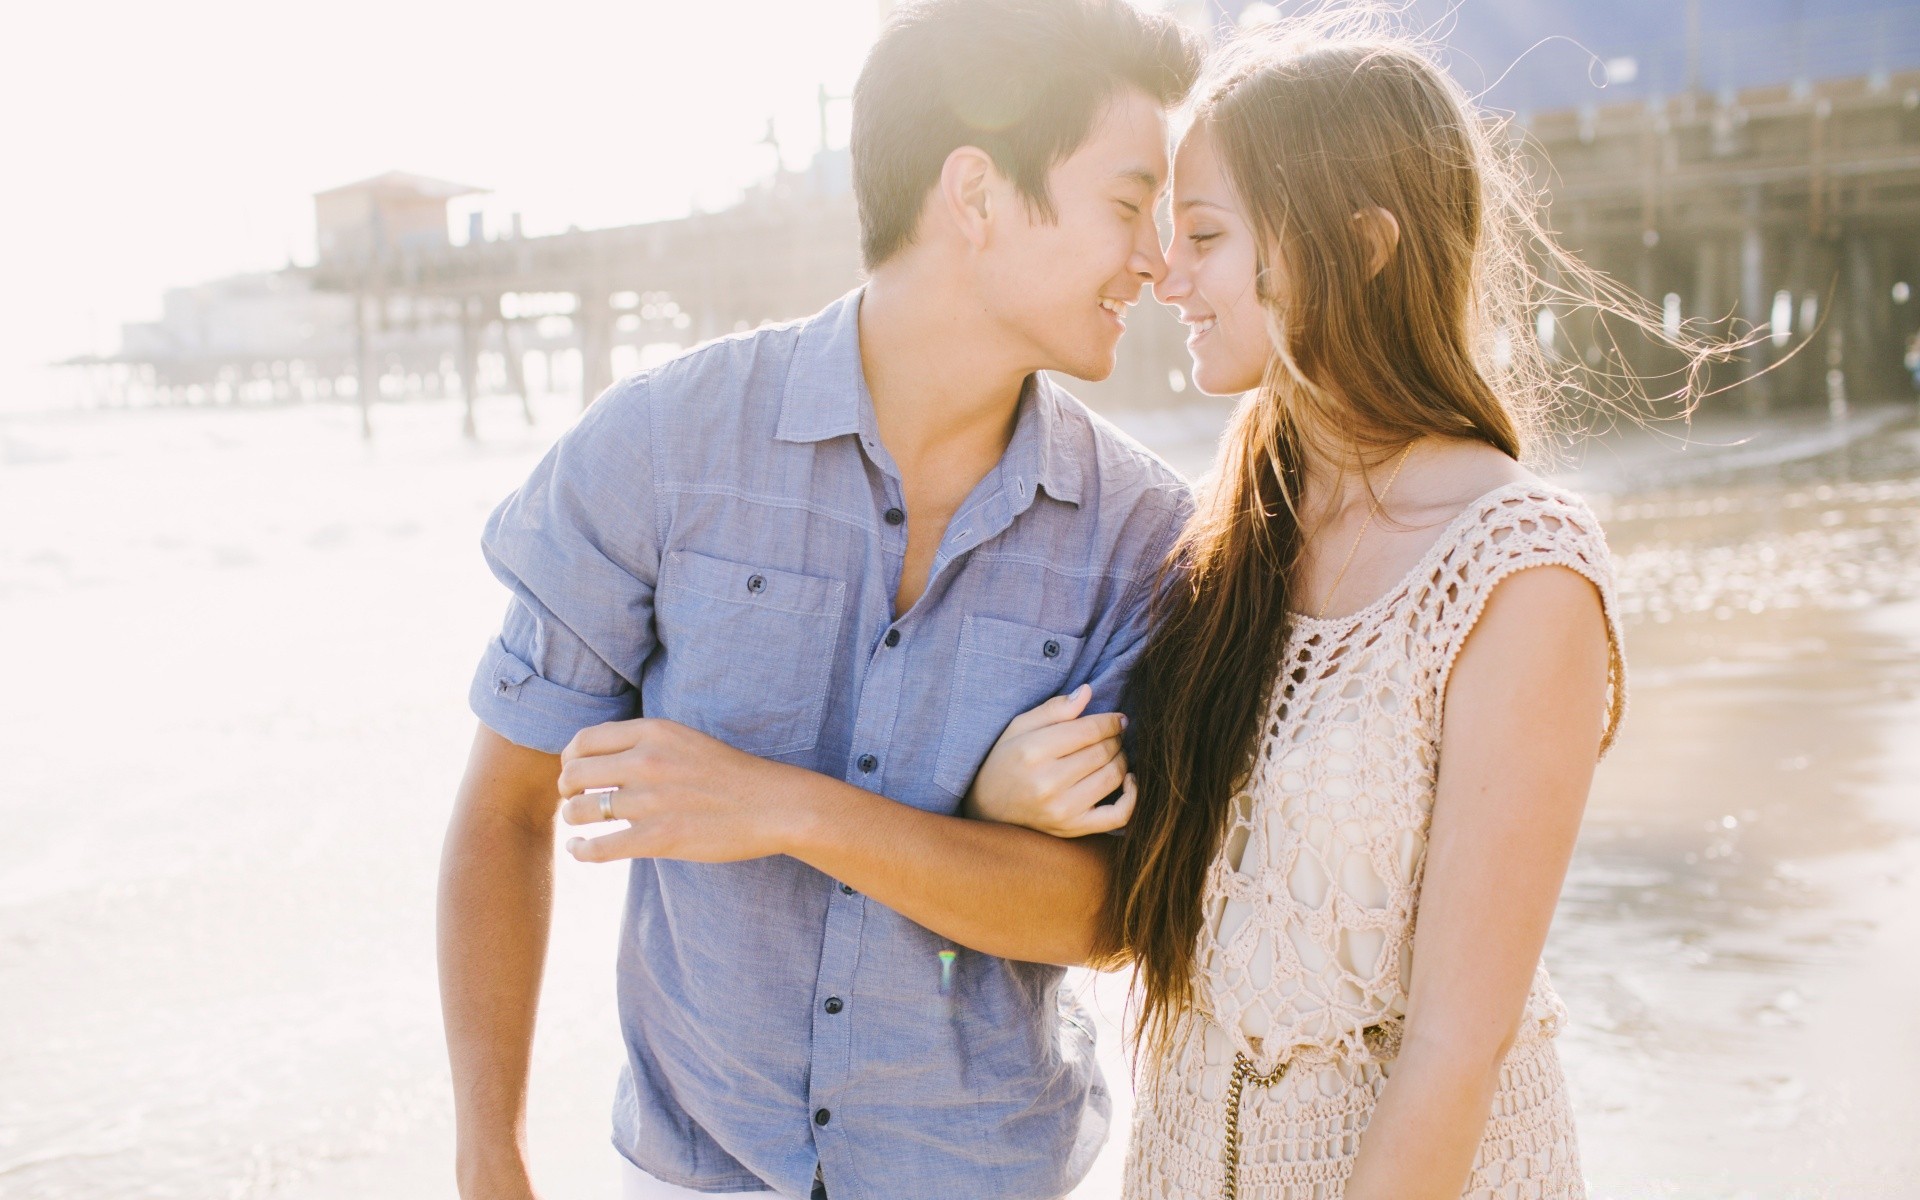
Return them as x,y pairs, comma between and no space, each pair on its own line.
826,397
826,389
1041,449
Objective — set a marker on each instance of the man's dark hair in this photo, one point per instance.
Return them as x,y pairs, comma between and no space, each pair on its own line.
1021,79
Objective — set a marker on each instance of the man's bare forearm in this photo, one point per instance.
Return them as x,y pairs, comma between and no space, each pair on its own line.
999,889
495,911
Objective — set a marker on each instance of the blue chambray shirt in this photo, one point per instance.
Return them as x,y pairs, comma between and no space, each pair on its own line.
718,542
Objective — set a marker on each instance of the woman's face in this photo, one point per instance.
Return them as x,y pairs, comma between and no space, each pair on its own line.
1210,275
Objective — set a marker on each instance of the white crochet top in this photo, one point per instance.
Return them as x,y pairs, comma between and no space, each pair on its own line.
1306,951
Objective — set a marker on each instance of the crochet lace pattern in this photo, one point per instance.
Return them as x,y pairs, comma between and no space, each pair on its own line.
1306,952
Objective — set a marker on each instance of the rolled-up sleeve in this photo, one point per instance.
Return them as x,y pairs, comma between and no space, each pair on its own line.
578,546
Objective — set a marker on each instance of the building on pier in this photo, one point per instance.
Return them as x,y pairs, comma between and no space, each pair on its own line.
375,219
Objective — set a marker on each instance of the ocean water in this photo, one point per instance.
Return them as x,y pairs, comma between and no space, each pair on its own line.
234,716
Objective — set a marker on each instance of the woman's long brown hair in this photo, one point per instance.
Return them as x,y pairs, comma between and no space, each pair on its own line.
1315,123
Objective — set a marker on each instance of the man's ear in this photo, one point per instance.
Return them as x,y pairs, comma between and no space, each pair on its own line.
1380,233
966,189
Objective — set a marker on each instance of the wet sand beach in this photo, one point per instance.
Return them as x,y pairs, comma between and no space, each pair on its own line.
236,713
1739,938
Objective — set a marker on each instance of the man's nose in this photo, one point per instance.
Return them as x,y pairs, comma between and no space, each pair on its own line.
1149,264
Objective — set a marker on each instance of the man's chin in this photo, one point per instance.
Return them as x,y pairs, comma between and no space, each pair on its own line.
1090,368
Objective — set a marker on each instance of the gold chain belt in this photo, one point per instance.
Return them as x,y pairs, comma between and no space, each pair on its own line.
1382,1042
1242,1075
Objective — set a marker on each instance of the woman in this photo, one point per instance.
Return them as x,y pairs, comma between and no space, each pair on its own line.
1386,662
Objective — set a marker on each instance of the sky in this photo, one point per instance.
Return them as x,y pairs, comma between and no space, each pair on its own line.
146,145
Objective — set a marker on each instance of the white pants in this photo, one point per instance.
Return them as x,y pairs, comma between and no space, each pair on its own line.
636,1184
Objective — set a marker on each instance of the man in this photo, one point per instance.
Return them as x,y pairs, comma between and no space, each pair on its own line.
824,565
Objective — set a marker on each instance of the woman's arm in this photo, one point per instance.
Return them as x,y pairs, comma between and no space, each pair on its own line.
1521,731
1051,768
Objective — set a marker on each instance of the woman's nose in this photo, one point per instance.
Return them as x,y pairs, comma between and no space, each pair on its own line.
1175,284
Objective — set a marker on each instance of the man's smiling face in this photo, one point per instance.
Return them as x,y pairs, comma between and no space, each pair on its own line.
1063,286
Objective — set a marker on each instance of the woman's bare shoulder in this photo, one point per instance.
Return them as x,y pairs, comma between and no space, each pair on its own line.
1443,476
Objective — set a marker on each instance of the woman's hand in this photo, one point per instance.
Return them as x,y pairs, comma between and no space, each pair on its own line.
1051,769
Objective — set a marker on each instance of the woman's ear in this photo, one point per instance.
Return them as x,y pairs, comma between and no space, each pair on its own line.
966,192
1380,233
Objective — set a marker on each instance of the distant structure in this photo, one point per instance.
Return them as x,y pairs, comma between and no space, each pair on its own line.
786,249
273,336
375,219
263,333
1754,159
1794,208
1740,161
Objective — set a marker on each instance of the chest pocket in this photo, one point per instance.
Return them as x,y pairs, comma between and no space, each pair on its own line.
748,652
1002,669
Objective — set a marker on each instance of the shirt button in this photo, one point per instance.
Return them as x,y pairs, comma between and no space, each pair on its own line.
867,763
833,1004
846,889
893,637
756,583
821,1116
895,516
1051,649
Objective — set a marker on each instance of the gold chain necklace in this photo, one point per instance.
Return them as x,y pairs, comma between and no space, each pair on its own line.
1373,508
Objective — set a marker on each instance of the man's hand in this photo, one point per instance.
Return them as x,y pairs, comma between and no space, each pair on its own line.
683,794
1052,767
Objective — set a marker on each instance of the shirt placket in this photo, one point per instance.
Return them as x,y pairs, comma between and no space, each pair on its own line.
882,687
835,1004
981,521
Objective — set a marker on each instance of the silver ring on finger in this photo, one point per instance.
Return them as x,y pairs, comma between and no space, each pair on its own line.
606,801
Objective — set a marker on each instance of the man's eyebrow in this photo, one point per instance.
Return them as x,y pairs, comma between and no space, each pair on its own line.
1143,176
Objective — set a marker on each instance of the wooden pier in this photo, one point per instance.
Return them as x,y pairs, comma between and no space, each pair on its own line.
1793,209
775,256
